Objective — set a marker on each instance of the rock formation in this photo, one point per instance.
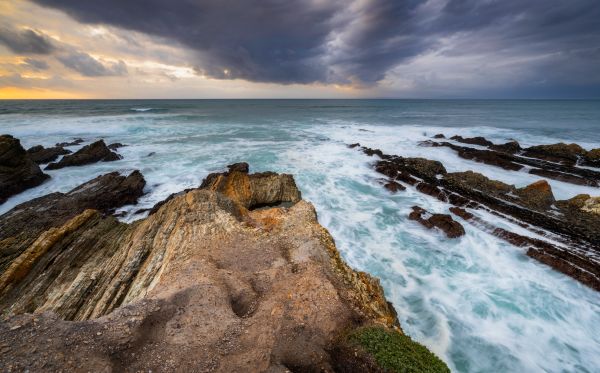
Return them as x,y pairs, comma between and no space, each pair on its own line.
41,155
95,152
572,227
17,171
75,142
237,275
443,222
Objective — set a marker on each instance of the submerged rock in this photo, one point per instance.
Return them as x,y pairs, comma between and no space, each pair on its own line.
17,171
201,276
92,153
41,155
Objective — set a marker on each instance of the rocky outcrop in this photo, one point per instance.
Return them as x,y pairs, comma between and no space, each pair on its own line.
17,171
592,158
41,155
572,227
116,145
92,153
443,222
213,280
510,147
482,141
75,142
560,153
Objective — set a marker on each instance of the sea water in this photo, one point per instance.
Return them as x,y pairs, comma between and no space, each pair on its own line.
480,303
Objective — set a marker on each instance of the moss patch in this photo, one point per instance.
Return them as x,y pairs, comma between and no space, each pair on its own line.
397,352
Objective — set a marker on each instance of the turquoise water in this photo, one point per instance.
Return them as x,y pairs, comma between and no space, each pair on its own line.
478,302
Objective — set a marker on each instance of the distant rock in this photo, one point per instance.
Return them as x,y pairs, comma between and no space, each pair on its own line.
95,152
444,222
72,143
473,140
41,155
17,171
439,136
116,146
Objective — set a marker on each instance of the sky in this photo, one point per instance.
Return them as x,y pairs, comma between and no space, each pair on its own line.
300,49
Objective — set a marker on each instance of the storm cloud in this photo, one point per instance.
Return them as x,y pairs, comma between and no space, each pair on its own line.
357,42
87,65
26,41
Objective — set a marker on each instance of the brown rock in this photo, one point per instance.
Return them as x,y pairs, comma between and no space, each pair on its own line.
41,155
75,142
592,158
393,186
537,195
510,147
561,176
473,140
92,153
444,222
17,171
564,153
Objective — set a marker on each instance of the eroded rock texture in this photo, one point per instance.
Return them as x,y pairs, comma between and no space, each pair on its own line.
213,280
17,171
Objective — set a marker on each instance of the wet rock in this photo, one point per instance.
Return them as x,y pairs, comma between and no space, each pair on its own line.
461,212
352,146
510,147
537,195
393,186
473,140
41,155
592,158
432,190
371,152
72,143
563,153
116,145
564,177
17,171
239,167
488,157
92,153
439,136
444,222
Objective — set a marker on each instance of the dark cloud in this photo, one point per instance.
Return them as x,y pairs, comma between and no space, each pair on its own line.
36,64
89,66
26,41
341,41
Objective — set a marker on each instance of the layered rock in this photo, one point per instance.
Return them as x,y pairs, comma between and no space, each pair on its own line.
213,280
572,227
17,171
443,222
41,155
92,153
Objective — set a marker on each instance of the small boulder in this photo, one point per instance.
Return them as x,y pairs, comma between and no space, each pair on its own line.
443,222
393,186
95,152
17,171
41,155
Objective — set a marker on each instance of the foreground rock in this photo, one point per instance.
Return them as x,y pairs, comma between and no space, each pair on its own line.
41,155
213,280
92,153
571,228
17,171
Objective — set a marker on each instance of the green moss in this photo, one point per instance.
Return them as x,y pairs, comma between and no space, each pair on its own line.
397,352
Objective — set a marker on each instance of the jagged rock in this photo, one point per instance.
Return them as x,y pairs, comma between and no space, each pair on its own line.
41,155
25,222
444,222
17,171
95,152
537,195
116,146
75,142
563,153
473,140
510,147
201,284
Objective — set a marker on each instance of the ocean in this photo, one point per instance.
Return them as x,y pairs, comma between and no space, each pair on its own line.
480,303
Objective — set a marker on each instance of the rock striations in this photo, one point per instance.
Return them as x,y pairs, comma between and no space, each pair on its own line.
235,276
